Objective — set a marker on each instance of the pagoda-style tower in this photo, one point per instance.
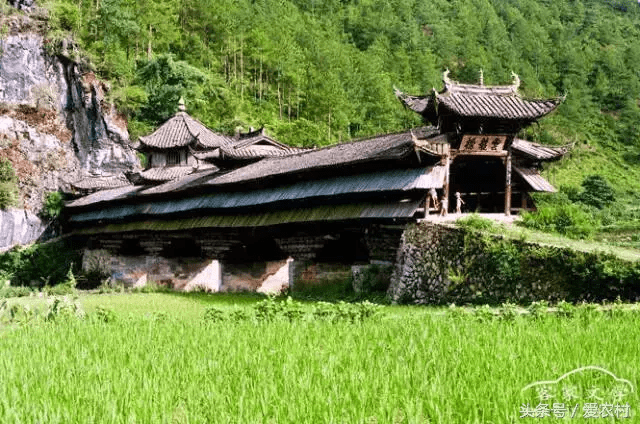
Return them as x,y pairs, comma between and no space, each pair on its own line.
477,126
172,148
183,145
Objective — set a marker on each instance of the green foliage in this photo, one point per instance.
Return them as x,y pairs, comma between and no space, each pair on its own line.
53,205
375,278
159,333
68,286
484,313
476,222
104,314
596,192
564,218
494,269
62,308
129,99
272,309
508,311
166,80
64,15
15,291
214,314
9,195
539,309
565,309
38,265
7,174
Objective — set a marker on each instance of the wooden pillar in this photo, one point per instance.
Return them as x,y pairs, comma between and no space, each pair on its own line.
507,191
523,200
446,179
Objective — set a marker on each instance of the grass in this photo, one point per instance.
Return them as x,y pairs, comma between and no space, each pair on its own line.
533,236
160,362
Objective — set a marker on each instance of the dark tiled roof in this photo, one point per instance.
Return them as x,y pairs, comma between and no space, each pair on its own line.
537,151
397,180
340,212
496,105
166,173
534,179
101,183
206,154
478,100
183,130
183,182
257,151
386,147
105,196
416,103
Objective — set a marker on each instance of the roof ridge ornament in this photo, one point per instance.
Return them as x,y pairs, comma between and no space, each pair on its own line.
445,78
516,81
481,77
181,105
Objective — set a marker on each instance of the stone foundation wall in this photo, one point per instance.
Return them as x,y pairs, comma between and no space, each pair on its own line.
187,273
438,264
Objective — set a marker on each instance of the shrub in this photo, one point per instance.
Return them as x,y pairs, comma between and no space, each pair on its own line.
9,194
596,192
484,313
475,222
63,308
508,311
17,291
40,264
53,205
64,16
539,309
567,219
7,173
565,309
104,314
129,100
213,314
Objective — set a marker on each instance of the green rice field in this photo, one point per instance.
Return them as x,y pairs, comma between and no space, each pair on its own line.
154,358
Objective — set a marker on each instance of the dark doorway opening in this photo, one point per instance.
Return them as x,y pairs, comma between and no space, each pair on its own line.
346,248
481,182
181,247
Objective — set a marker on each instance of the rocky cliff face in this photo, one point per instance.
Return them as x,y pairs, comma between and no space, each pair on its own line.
55,125
28,76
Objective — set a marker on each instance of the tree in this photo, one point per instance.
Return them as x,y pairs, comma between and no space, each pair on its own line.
166,80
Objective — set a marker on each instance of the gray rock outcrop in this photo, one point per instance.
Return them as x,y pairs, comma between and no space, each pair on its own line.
42,161
100,139
22,4
18,226
55,125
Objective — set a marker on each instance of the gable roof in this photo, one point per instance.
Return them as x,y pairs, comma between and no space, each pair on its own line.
397,180
479,100
182,130
386,147
537,151
89,184
256,144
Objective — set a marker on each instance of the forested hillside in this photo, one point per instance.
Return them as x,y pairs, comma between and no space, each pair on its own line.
319,72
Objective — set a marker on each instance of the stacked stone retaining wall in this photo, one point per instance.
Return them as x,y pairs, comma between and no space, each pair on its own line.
440,264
